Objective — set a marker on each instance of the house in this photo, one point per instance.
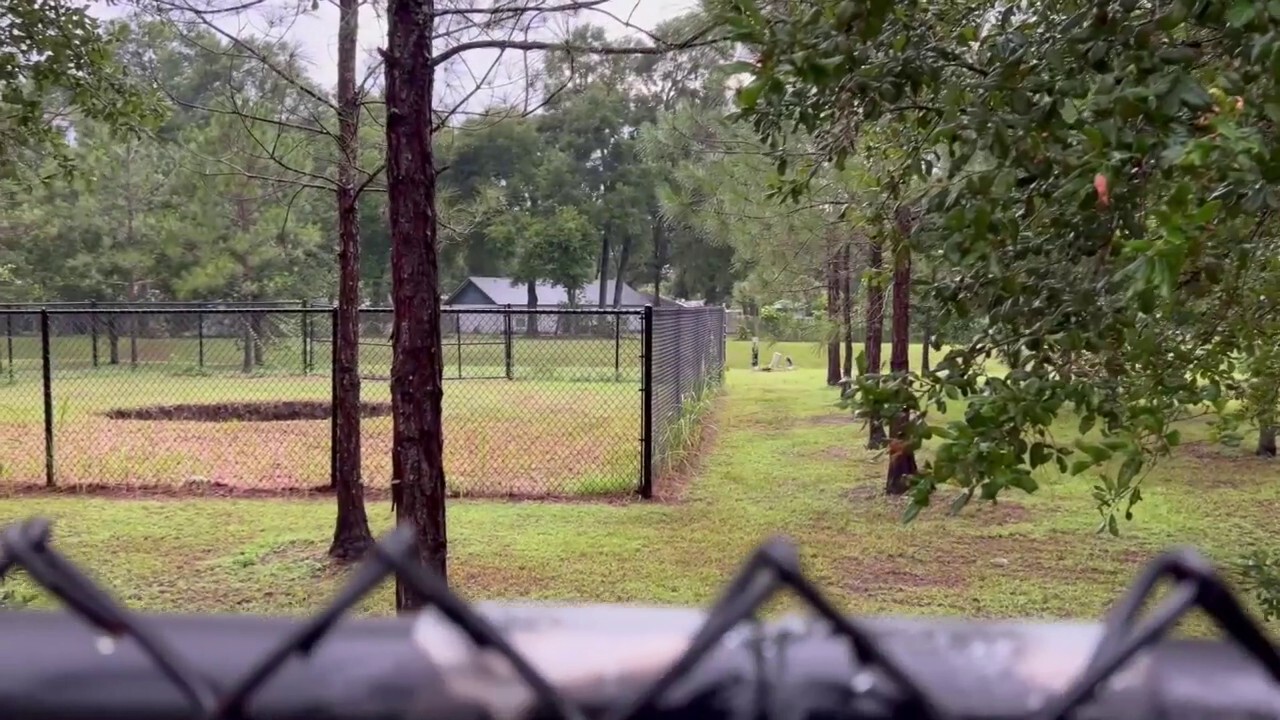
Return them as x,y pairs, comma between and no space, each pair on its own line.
664,300
496,292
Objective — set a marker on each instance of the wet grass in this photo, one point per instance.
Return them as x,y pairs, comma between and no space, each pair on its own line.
783,460
504,437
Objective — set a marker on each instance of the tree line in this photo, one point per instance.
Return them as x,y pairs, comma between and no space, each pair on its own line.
225,198
1089,188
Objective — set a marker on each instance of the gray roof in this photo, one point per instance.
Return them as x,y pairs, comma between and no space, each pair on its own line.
503,291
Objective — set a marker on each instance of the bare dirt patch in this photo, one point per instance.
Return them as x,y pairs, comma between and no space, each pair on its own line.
978,512
832,453
532,442
302,554
891,576
964,558
1212,452
276,411
1212,465
829,420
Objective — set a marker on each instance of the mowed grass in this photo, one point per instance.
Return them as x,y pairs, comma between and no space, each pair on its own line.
568,423
781,460
544,357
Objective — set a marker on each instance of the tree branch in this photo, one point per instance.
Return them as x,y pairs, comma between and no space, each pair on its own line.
698,39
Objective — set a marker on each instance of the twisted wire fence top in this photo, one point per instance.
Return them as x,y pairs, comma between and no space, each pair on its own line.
460,661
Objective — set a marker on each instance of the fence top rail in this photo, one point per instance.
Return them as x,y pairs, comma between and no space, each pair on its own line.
124,304
526,310
56,311
686,308
316,310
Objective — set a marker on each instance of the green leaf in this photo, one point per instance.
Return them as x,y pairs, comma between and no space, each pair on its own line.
1080,466
845,13
1128,470
1039,455
1068,109
942,431
959,502
1241,13
749,94
1112,526
738,67
1095,451
1086,423
1207,212
1194,96
1024,482
912,510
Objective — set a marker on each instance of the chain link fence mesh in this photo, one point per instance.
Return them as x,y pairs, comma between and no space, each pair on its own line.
238,399
223,668
688,361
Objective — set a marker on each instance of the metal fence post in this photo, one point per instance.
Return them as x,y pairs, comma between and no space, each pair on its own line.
333,395
93,330
506,330
457,324
46,372
200,338
646,404
680,361
724,342
306,331
8,331
617,348
133,341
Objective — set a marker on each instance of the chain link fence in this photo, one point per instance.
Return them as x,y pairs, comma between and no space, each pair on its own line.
238,399
688,359
438,663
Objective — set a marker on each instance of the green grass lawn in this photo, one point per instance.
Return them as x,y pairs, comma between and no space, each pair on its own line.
523,437
545,357
781,459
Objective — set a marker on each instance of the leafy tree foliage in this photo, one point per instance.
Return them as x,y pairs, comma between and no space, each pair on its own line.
56,60
1103,226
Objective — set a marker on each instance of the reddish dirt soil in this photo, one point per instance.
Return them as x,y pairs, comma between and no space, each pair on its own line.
242,412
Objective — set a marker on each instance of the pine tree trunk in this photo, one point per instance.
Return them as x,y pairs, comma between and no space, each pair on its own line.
133,340
658,262
874,336
1266,439
846,308
624,256
259,346
113,341
531,329
604,268
926,333
833,314
246,345
417,374
902,459
351,535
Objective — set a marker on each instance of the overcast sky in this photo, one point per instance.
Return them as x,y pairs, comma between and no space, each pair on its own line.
317,31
